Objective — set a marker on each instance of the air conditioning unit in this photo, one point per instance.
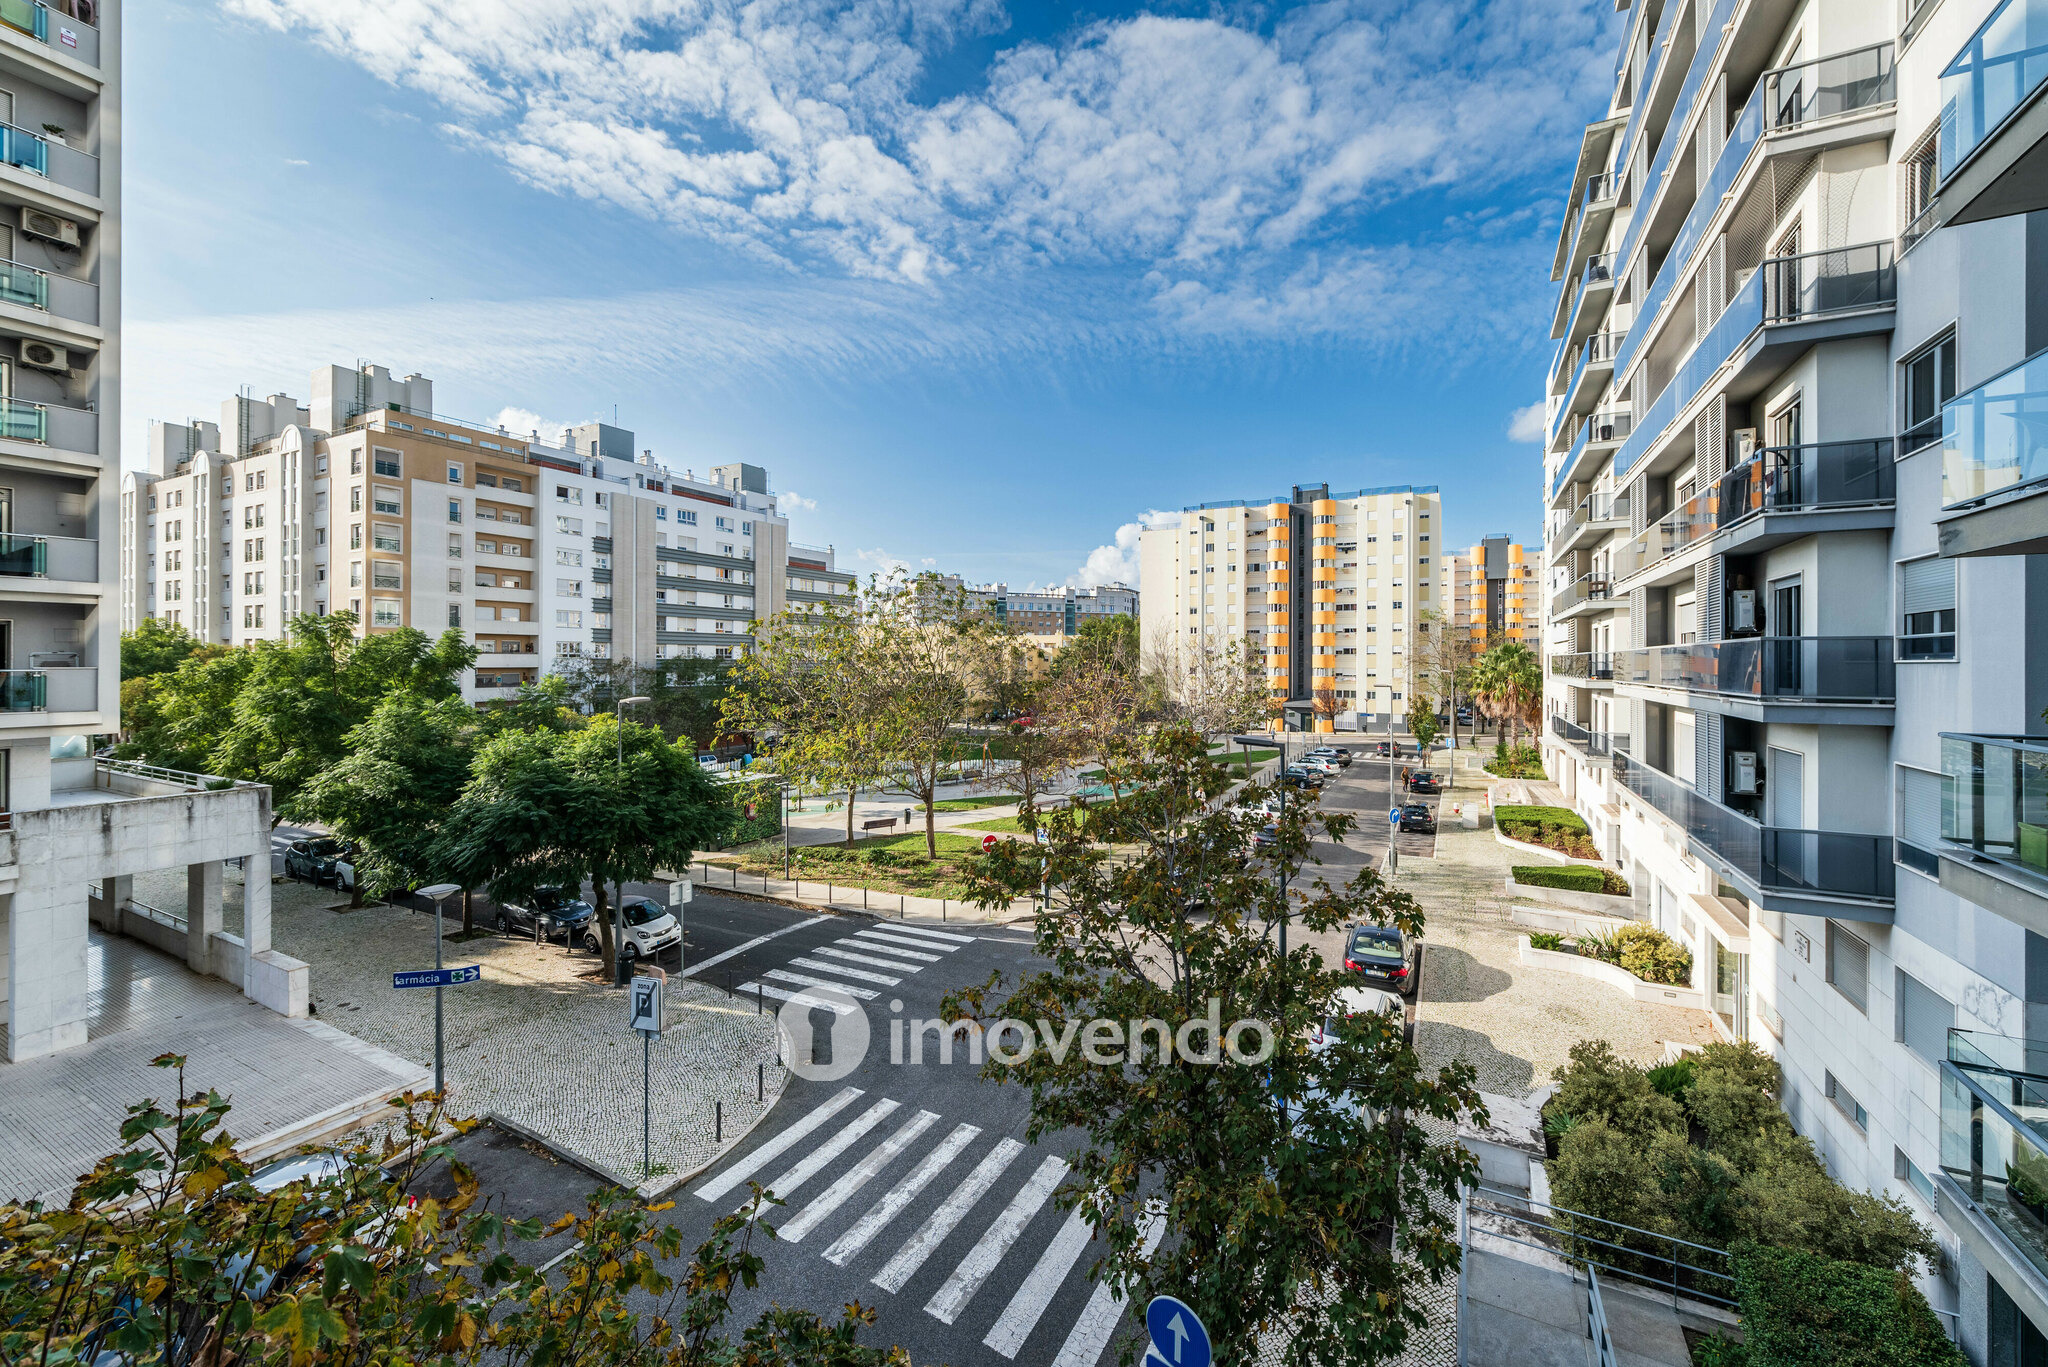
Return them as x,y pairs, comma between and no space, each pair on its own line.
1742,613
1741,446
43,356
50,227
1742,778
53,659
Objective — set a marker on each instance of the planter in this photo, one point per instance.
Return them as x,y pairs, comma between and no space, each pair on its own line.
1563,921
1594,903
1614,975
1555,856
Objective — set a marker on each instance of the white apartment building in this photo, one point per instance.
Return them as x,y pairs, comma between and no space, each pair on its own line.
1048,618
367,500
1797,625
1328,588
74,830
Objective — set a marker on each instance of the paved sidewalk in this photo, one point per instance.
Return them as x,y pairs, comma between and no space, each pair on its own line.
895,906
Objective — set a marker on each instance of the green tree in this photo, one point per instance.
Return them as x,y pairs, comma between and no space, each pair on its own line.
567,808
1422,722
1508,681
685,696
155,647
1109,641
1443,660
928,646
1281,1171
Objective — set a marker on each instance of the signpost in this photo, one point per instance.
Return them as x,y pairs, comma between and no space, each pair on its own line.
643,1006
438,977
1044,873
1178,1336
679,894
437,894
988,842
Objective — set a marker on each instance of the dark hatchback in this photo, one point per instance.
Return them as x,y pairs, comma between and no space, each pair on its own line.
314,858
549,913
1416,816
1423,781
1384,957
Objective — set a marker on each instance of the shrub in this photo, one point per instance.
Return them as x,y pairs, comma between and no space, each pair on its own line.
1571,878
1543,939
1734,1097
1524,761
1803,1310
1788,1200
1598,1086
1557,828
1675,1079
1717,1350
1605,1173
1643,950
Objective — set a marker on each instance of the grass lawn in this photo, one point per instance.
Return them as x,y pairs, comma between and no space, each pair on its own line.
974,804
884,863
1002,825
1228,756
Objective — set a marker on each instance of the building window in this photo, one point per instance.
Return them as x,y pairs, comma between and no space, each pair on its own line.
454,473
1918,821
746,529
1906,1170
455,510
355,536
355,462
570,557
455,611
355,499
1921,170
386,502
384,612
687,516
569,526
566,494
385,537
1928,383
386,463
1924,1018
565,617
1927,609
568,588
1849,967
1847,1104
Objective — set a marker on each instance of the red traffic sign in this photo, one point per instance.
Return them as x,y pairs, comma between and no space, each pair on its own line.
988,842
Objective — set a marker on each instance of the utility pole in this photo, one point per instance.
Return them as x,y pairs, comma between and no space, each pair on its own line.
619,912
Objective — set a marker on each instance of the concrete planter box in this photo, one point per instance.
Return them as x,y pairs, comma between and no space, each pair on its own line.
1615,976
1594,903
1540,851
1564,921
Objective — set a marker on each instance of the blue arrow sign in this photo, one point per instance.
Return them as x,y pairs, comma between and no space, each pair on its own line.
1178,1338
438,977
1393,816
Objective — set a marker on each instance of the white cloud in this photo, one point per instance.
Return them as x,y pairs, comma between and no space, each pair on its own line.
1117,562
883,563
525,422
1526,424
790,499
297,161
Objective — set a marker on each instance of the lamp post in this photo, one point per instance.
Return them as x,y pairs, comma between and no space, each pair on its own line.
619,912
437,894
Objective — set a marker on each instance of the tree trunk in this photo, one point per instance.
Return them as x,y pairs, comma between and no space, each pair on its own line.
609,949
931,830
468,913
851,792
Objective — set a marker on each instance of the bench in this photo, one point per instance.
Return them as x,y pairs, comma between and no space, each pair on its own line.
886,823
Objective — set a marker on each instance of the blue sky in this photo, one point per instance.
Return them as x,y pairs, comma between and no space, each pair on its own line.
980,284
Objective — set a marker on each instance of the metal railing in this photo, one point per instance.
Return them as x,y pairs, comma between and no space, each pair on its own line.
1836,280
1780,668
1994,1135
1596,1322
1995,438
1994,800
1593,744
1825,87
1583,665
1677,1267
157,773
1586,589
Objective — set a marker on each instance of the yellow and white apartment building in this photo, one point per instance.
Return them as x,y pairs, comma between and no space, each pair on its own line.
1490,593
1329,589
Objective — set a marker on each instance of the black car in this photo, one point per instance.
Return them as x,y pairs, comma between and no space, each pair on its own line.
1384,957
314,858
1298,777
1423,781
549,913
1266,838
1387,749
1415,816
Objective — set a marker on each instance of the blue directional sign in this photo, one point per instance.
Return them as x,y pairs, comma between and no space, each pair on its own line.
1178,1338
1393,816
438,977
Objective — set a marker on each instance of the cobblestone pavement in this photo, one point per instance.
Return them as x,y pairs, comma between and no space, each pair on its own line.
535,1041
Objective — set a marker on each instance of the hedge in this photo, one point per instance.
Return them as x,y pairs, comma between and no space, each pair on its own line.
1802,1310
1571,878
1563,818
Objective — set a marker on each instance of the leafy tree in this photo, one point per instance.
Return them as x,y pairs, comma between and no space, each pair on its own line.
1422,722
573,807
928,644
1109,641
169,1254
1214,685
1094,712
157,647
1508,682
1296,1178
685,696
1444,659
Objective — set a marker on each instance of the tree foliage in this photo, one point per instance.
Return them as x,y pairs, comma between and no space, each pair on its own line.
1105,642
157,647
1507,681
685,696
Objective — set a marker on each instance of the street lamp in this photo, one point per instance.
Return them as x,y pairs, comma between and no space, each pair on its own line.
437,894
618,911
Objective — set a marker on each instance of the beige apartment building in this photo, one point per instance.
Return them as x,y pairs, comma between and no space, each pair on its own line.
1049,618
1490,593
1328,589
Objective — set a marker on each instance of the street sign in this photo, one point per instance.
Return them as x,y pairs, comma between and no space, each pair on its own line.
644,1005
1178,1338
1393,816
1044,836
988,842
680,892
438,977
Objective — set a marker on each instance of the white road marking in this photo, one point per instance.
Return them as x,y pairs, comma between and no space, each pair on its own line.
890,947
760,1157
972,1188
946,1305
1020,1317
801,998
890,935
1091,1333
868,959
946,935
839,1143
845,972
901,1195
754,943
806,980
855,1177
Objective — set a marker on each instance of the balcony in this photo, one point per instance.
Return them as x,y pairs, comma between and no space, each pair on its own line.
1592,666
49,690
1596,512
1993,154
1598,434
1589,364
1993,1185
1596,745
1596,277
49,557
47,424
61,30
1994,820
53,160
1994,465
62,296
1767,499
1589,590
1846,677
1849,875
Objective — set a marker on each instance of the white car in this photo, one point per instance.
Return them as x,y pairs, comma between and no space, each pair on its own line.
1355,1001
1335,754
650,928
1322,764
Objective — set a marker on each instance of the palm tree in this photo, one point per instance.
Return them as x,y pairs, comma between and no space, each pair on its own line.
1509,685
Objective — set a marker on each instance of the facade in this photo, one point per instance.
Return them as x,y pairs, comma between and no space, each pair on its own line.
1490,593
1048,618
1328,588
366,500
1797,617
69,822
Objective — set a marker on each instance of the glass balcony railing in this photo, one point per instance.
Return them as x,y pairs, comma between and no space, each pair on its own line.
1778,479
1995,73
70,27
1994,799
1778,668
1587,589
1583,665
1674,129
24,690
1994,1134
1601,427
1838,863
1995,437
1831,86
1592,744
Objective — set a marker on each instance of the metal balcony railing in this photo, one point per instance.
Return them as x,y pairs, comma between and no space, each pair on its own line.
1586,589
1592,744
1995,438
1826,87
1779,668
1583,665
1995,800
49,557
1994,1134
1992,75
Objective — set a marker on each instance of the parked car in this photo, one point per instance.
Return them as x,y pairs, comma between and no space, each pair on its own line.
650,928
1353,1002
1387,749
1424,781
1416,816
1383,956
1266,838
1335,754
1299,777
549,913
1318,764
315,859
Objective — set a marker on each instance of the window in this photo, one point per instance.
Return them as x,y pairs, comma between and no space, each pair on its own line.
568,588
566,494
454,546
355,574
1929,382
1906,1170
355,462
355,499
385,574
455,510
1845,1103
725,526
385,463
1917,797
566,556
569,526
355,536
1849,967
384,537
454,473
566,617
746,529
386,502
455,581
568,647
1924,1018
1920,170
660,514
687,516
455,613
484,479
1927,609
384,612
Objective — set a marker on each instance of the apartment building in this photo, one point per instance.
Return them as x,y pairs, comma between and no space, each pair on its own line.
1490,593
1048,618
365,499
1797,538
1328,588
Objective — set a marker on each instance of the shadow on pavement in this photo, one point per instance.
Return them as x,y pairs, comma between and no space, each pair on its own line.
1449,974
1498,1071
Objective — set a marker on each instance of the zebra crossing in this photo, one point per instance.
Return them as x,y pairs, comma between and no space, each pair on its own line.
1005,1238
860,964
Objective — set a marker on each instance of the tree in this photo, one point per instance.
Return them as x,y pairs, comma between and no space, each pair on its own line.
1284,1174
1509,684
685,696
157,647
1110,641
927,646
1444,657
169,1254
1422,722
1214,685
1094,711
568,807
